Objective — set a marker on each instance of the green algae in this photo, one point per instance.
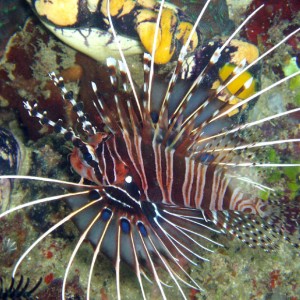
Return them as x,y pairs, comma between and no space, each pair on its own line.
289,68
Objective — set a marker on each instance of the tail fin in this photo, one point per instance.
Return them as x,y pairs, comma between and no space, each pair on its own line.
281,221
285,219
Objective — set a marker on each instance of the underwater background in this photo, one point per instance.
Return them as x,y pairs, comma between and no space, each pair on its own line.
28,53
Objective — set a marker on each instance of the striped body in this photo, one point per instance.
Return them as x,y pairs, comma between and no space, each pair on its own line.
164,176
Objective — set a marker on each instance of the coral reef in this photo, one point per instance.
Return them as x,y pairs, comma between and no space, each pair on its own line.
273,14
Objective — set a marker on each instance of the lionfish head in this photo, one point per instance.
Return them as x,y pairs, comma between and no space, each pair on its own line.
163,180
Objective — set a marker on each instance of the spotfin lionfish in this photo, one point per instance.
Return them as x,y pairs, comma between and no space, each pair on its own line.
163,179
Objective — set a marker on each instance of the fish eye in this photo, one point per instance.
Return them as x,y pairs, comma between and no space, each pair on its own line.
128,179
131,187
